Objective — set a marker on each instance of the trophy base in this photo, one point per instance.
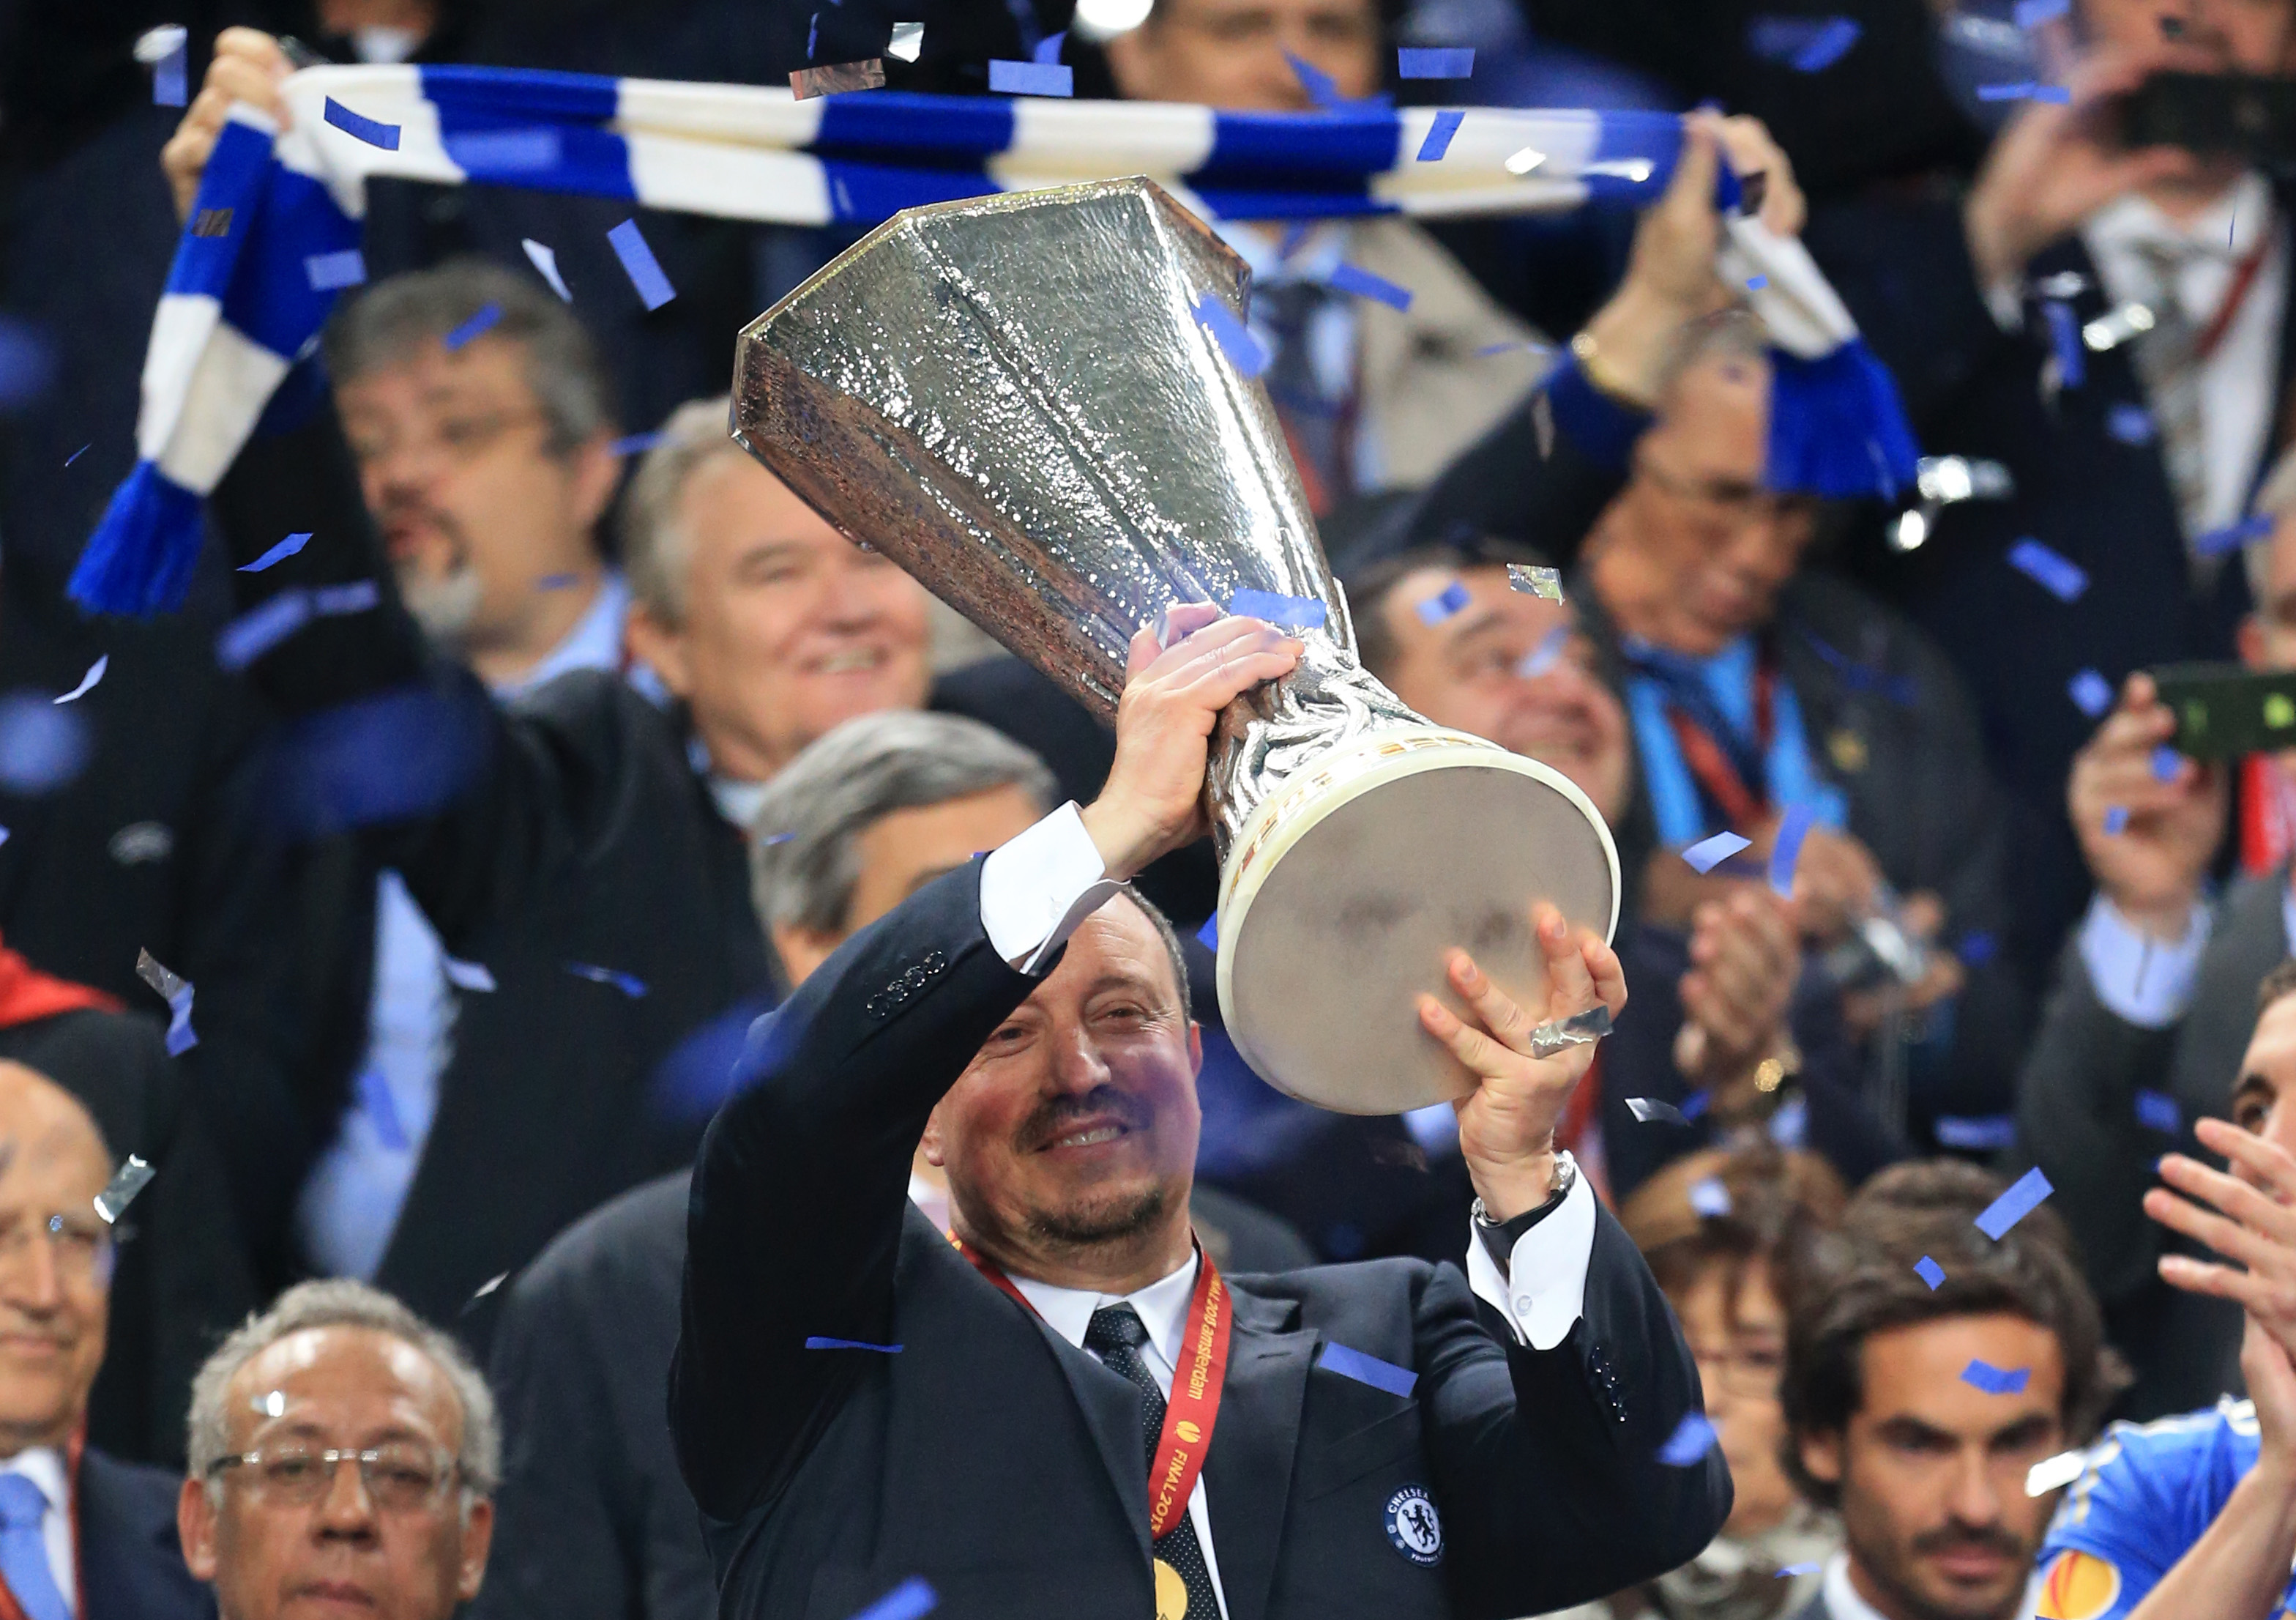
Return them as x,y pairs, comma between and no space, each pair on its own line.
1347,887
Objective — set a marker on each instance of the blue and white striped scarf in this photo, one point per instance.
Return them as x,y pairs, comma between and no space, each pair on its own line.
243,302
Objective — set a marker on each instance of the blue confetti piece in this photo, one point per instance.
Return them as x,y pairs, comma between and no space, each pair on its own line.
2166,763
333,272
1977,948
75,455
1929,1272
1709,1197
1208,936
1709,853
2014,1205
1048,49
636,444
629,984
912,1599
1031,79
638,263
1806,44
1363,284
812,34
374,133
1541,658
1687,1446
468,976
1452,602
355,597
2216,542
1977,1133
1829,46
1997,1381
475,327
1787,851
818,1343
280,553
1800,1570
2060,94
87,681
2158,1111
1322,88
2116,820
558,581
1420,61
169,85
382,1110
2033,13
1755,284
1438,135
1244,351
2129,425
2065,340
257,630
4,835
2059,576
1291,612
1693,1106
2091,692
42,747
1368,1369
1294,234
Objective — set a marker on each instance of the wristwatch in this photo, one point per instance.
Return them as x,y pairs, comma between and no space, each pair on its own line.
1499,1237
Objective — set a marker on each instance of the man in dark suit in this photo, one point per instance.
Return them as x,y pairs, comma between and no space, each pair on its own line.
80,1534
1083,1416
1917,1410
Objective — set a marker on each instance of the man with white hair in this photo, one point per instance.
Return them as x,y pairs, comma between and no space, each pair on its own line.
337,1373
2156,993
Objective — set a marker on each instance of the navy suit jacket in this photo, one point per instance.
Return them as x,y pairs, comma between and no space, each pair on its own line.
131,1566
1004,1465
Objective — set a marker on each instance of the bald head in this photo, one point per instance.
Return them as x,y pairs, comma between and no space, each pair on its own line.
55,1258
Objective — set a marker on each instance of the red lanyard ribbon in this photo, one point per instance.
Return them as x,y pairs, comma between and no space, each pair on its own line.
1192,1407
1740,805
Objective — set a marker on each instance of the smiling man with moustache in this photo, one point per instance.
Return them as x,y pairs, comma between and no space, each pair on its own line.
80,1535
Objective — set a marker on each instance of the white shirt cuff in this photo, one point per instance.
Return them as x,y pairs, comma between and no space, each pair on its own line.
1036,889
2141,980
1544,1288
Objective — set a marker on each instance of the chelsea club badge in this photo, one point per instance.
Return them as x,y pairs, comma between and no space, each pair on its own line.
1415,1527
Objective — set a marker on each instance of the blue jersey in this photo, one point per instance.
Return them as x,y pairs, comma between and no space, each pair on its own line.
2149,1490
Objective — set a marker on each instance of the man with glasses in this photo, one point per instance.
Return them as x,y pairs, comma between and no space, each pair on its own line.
343,1459
1767,699
82,1536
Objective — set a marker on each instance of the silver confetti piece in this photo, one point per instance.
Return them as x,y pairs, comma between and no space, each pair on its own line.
1579,1029
908,39
2051,1472
1546,582
114,1199
149,970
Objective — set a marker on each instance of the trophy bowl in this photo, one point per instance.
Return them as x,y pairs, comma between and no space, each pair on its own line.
1018,398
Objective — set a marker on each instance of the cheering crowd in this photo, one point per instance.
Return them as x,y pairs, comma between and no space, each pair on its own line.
697,1075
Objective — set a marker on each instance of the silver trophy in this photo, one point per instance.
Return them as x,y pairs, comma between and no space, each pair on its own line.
1016,399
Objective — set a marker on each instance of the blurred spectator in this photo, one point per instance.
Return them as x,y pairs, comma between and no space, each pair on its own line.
1916,1410
339,1373
487,466
1721,1232
80,1534
596,1521
180,1276
2110,327
1370,396
2155,993
1762,692
1724,1008
2191,1514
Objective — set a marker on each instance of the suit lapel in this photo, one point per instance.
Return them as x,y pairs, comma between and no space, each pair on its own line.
1111,1412
1248,1474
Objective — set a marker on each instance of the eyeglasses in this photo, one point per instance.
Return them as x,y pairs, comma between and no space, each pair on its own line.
79,1247
1726,501
460,436
1749,1372
404,1476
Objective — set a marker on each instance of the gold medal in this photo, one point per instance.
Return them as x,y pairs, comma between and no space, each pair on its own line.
1171,1593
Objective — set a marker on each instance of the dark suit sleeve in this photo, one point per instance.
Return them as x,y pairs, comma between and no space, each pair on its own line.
1559,1448
800,1193
1511,486
2077,1117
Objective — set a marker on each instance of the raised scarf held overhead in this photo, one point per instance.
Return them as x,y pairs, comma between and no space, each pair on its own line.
244,301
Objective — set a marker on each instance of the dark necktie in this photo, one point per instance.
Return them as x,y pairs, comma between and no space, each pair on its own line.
1115,1336
1682,680
1312,421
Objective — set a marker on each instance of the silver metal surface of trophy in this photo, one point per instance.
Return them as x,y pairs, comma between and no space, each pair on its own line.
1015,398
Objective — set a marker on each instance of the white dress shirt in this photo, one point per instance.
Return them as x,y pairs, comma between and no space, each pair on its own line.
2237,380
44,1467
349,1205
2150,983
1035,890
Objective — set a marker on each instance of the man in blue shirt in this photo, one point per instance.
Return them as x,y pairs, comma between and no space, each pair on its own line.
2196,1515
